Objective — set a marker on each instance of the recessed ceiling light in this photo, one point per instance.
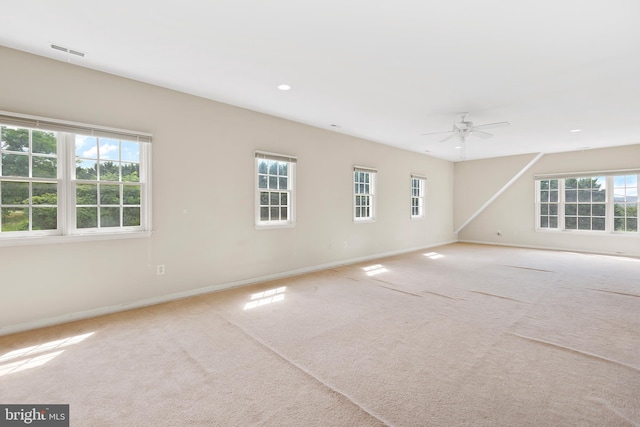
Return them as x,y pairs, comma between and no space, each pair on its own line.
575,130
458,147
333,125
284,87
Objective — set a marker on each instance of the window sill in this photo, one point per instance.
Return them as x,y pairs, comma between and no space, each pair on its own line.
274,226
73,238
363,221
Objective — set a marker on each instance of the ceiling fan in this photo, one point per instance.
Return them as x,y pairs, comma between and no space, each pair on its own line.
465,128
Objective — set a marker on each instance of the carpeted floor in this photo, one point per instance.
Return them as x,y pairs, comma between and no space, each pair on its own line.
457,335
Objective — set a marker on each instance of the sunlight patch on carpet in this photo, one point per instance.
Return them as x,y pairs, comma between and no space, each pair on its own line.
37,355
372,270
433,255
266,297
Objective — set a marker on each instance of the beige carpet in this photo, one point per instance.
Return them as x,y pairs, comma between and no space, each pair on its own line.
457,335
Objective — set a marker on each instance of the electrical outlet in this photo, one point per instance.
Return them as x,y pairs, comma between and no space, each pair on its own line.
160,269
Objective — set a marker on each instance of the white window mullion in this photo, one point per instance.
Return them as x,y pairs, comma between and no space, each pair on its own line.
66,186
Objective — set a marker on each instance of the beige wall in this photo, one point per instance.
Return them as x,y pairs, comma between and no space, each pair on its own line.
203,194
513,212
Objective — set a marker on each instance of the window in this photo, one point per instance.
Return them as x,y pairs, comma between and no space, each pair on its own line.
274,190
625,199
603,203
364,194
62,179
417,196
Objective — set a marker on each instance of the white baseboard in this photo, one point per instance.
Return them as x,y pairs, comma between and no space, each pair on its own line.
72,317
551,248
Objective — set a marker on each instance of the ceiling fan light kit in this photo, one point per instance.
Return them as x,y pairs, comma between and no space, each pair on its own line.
465,128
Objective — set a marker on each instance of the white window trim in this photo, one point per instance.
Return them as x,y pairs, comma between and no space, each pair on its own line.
372,194
66,231
422,197
291,222
609,203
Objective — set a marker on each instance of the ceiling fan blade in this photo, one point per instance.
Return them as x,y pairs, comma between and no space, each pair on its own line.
449,137
493,125
436,133
481,134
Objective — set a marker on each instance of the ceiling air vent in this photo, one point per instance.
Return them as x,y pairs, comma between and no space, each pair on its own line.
67,50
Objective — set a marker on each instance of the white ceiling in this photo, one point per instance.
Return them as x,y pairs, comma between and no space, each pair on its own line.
386,71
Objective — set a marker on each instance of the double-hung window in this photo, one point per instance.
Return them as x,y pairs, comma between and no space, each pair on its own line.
63,179
604,202
417,196
275,196
364,191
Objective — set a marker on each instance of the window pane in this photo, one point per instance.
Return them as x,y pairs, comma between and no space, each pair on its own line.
584,195
554,184
45,167
45,218
544,222
553,209
109,149
273,182
264,214
282,183
598,210
44,142
283,168
262,181
15,165
275,214
598,224
131,217
584,210
14,193
274,198
632,224
262,166
44,194
571,223
619,224
571,196
584,223
544,209
109,217
86,146
283,214
131,172
15,219
130,151
571,209
109,195
86,169
264,198
86,217
86,194
571,183
553,222
273,167
283,199
131,195
358,212
599,196
553,196
14,139
544,185
109,171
